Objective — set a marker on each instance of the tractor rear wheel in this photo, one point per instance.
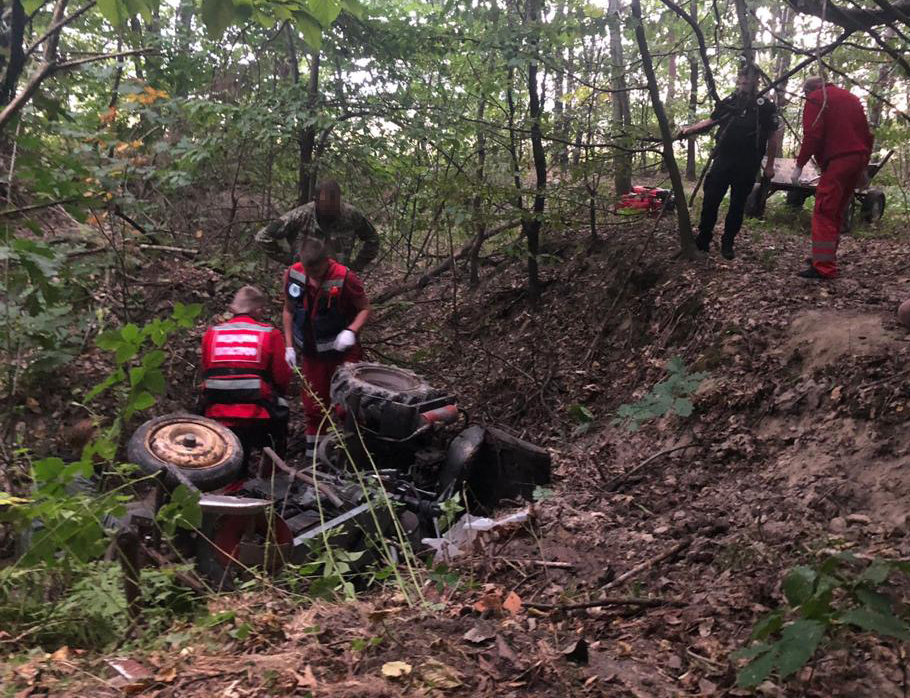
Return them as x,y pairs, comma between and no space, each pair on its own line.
206,452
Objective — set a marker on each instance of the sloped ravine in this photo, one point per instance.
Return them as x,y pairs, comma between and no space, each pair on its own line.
798,446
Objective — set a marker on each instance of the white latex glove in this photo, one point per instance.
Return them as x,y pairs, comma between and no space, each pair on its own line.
797,173
290,356
345,340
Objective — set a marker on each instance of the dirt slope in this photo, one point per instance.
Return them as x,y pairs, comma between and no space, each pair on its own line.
798,444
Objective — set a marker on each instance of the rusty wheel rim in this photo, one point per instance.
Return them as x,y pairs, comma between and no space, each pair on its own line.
189,445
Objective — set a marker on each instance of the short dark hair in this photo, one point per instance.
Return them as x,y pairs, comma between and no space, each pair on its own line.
328,186
313,251
749,69
248,300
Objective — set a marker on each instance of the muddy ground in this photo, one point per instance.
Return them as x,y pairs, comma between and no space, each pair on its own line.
798,446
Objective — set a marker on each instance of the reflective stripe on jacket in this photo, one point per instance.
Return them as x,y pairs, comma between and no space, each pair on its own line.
244,373
326,319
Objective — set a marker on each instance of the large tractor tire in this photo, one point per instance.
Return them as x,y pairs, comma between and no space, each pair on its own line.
796,198
382,398
873,207
755,206
206,452
378,382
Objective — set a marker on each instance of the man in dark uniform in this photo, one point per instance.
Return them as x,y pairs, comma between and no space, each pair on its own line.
329,219
749,128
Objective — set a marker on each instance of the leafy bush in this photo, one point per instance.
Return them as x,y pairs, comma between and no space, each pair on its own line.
670,395
85,606
66,521
823,601
44,307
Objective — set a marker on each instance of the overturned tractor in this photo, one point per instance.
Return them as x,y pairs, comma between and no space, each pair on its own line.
393,451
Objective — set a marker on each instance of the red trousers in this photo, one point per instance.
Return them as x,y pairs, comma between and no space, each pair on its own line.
317,374
833,195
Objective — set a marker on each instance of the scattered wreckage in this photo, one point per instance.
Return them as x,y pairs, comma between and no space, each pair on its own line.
397,450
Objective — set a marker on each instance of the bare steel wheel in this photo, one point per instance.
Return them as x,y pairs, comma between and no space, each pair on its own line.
208,453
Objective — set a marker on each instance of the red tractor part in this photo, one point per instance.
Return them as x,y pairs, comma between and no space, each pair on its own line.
643,201
447,414
252,541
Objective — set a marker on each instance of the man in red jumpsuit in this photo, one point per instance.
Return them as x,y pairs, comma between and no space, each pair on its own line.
325,308
836,133
246,375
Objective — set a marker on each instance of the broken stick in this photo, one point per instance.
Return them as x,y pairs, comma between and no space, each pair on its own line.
610,601
647,564
322,488
619,479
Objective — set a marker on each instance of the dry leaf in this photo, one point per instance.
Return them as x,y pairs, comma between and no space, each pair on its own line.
393,670
577,651
167,676
439,675
489,602
380,615
512,604
478,635
62,654
308,679
505,651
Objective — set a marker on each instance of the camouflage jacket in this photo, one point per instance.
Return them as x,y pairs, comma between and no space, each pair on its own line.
301,222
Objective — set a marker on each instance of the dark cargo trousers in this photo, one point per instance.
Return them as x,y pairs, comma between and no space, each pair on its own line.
725,174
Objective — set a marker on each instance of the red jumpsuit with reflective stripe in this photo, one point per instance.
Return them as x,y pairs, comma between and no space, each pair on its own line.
836,133
319,314
244,370
245,378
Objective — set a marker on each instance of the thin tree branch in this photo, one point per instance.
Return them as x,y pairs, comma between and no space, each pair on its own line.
44,71
57,26
702,46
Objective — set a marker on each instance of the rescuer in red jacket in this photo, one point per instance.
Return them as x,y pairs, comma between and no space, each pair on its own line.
246,376
325,308
836,133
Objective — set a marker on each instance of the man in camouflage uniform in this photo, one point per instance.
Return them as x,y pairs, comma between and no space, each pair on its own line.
328,218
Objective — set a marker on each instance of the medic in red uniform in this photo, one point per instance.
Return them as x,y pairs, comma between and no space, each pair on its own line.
325,308
246,375
835,132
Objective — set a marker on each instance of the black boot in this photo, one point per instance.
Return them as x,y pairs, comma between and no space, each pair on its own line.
811,273
726,248
703,241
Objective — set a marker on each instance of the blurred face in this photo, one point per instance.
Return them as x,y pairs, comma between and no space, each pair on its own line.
746,83
328,205
318,270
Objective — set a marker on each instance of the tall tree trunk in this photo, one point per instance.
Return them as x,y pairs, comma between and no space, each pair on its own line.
884,83
691,173
745,29
621,111
306,170
183,29
686,240
782,59
477,203
16,59
513,140
531,224
136,37
671,71
307,174
559,79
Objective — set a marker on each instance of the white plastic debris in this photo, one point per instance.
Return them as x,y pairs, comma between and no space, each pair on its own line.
458,539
